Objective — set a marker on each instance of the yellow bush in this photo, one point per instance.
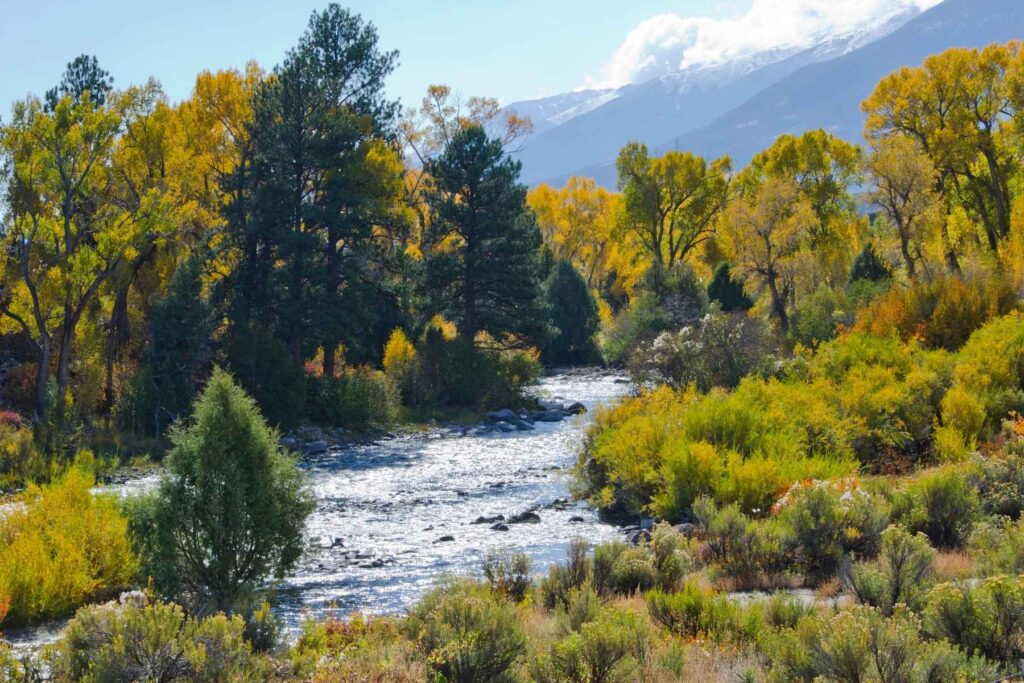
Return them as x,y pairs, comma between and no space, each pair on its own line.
398,352
62,547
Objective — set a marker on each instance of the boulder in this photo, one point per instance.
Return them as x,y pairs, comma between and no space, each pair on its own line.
503,415
576,408
289,443
314,448
500,526
528,517
445,539
489,520
638,537
551,405
522,425
505,427
549,416
575,519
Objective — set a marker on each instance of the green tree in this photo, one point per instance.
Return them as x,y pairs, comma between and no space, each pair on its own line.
318,191
868,266
230,511
573,315
482,243
83,75
728,292
178,350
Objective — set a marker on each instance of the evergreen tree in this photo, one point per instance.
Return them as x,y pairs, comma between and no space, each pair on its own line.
868,266
323,178
482,243
573,316
82,75
727,291
178,351
229,513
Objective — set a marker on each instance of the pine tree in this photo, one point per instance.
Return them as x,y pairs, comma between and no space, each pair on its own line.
868,266
573,316
727,291
482,245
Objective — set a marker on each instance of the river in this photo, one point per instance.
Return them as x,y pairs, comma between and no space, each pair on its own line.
384,507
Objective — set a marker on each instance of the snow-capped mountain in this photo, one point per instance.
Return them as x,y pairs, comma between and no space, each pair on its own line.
584,128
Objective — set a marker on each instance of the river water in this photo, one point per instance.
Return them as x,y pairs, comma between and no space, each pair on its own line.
384,507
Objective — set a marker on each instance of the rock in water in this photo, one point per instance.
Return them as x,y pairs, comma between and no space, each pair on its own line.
549,416
576,409
528,517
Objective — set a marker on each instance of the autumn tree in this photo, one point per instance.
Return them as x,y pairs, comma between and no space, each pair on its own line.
673,202
903,187
482,242
959,106
68,229
766,230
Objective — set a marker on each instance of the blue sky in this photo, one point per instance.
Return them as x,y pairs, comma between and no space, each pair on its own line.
502,48
509,49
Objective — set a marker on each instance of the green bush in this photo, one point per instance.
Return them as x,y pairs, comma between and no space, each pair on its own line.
359,398
609,649
816,317
153,642
901,575
634,571
20,460
455,373
61,549
728,292
861,644
944,506
985,619
508,574
998,548
694,612
269,374
563,578
466,635
230,510
573,314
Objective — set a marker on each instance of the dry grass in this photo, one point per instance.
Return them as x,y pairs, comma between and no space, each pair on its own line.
954,565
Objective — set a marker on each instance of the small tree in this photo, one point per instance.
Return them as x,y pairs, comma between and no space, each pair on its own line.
727,291
573,314
868,266
230,512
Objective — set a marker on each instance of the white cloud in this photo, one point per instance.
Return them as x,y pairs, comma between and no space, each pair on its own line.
667,42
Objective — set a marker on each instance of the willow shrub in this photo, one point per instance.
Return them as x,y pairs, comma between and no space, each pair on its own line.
359,397
62,547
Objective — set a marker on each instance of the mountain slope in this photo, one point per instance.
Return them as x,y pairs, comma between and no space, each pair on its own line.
828,95
579,129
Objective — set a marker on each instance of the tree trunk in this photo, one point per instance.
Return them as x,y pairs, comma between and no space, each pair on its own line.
330,348
42,379
778,303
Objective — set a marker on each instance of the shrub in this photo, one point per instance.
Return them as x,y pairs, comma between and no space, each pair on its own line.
998,548
360,397
694,612
230,510
20,459
820,523
671,556
633,571
455,373
153,642
609,649
900,576
999,480
860,644
986,619
816,317
988,379
62,549
268,373
944,506
563,578
466,635
605,557
868,266
508,574
401,365
718,350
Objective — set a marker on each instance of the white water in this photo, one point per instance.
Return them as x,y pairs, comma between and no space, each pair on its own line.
390,501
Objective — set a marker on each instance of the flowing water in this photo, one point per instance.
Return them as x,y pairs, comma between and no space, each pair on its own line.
375,538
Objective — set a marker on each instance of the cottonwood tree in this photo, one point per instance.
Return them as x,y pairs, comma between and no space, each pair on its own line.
673,202
903,186
67,230
766,231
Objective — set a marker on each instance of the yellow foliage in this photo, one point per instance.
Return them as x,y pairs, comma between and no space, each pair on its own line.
62,547
399,351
